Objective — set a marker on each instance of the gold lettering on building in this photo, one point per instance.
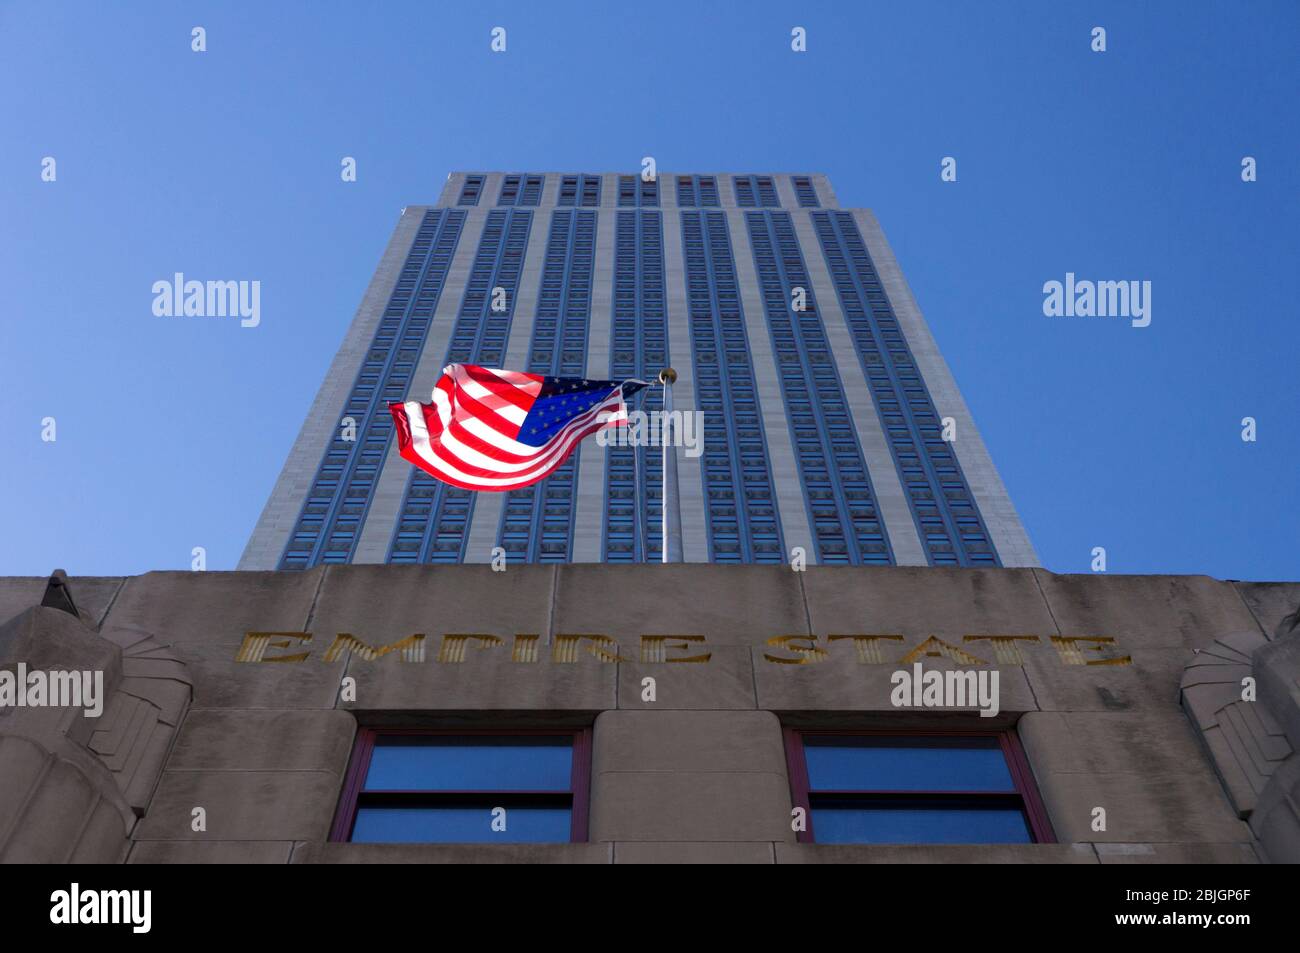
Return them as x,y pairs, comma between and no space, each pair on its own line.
1004,646
255,644
804,646
935,647
655,648
525,649
411,647
453,645
1071,652
569,648
602,647
867,646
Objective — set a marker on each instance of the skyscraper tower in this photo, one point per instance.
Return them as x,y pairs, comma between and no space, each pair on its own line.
786,317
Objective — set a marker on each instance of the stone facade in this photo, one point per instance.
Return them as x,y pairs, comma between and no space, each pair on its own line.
1152,726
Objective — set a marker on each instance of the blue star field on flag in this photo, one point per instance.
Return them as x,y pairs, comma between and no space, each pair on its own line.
562,399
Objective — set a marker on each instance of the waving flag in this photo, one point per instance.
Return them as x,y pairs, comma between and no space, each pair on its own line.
490,429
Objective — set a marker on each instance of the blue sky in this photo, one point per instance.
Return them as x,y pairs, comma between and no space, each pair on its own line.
225,164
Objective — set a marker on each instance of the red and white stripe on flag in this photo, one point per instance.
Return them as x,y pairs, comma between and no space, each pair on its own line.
468,436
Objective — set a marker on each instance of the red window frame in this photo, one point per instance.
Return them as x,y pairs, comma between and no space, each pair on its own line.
1040,826
364,746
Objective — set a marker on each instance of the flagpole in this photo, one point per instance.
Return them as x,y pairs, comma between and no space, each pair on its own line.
672,511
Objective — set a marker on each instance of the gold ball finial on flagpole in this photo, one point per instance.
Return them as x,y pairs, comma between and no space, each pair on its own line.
668,376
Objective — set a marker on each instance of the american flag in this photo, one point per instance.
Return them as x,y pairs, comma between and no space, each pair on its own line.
490,429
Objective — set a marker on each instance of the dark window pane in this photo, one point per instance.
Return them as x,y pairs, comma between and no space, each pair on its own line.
906,764
866,825
470,764
458,825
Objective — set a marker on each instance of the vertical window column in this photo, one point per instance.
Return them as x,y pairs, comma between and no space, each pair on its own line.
948,521
537,521
521,190
697,191
336,505
633,521
804,191
471,190
739,502
581,190
755,191
837,487
636,192
435,516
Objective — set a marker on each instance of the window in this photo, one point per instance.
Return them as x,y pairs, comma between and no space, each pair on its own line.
862,787
521,190
581,190
634,191
755,190
695,191
804,191
470,191
410,786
